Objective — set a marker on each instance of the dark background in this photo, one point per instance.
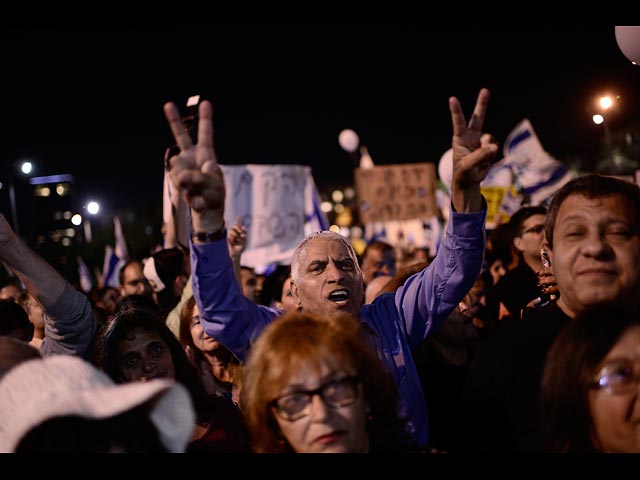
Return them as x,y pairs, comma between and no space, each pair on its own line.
88,100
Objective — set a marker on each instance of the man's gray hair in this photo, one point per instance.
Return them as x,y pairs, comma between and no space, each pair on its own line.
328,234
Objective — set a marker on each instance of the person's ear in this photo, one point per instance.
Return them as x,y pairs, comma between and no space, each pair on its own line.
294,293
517,243
179,283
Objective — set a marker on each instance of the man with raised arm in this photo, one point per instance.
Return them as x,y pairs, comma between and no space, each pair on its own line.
325,276
69,321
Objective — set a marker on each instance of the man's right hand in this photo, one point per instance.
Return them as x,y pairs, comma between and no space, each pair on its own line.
472,152
195,170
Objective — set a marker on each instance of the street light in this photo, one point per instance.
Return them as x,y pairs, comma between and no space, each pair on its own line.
26,168
606,104
93,208
600,120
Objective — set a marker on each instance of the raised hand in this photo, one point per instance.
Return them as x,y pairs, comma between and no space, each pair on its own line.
237,239
472,154
547,282
237,242
195,170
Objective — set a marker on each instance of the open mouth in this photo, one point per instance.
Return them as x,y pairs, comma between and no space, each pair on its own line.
339,296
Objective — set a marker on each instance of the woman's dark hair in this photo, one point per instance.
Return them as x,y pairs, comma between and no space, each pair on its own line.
128,320
570,367
170,263
138,302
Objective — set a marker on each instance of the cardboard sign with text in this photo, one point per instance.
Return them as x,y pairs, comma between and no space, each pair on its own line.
274,202
396,192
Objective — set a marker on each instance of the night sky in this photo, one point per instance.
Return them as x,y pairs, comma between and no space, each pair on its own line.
88,101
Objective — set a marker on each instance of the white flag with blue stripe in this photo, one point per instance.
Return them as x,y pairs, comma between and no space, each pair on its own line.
538,174
86,281
114,259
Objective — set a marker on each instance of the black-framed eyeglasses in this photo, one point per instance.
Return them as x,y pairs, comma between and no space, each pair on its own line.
617,377
334,394
536,229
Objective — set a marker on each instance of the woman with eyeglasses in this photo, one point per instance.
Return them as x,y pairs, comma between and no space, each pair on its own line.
313,385
589,393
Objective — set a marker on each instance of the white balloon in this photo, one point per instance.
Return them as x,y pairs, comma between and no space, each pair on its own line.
349,140
628,39
445,169
499,174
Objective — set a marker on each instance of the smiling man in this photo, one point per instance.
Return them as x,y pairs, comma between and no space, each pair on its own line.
593,231
325,276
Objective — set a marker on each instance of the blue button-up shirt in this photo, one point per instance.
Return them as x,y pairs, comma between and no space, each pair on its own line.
398,322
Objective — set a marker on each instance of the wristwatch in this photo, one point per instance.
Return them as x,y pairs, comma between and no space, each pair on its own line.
205,237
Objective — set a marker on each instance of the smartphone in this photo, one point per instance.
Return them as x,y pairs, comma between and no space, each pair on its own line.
544,298
545,257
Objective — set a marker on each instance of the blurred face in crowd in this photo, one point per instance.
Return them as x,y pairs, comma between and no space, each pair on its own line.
531,237
596,253
330,281
323,412
143,355
287,302
134,281
615,405
35,312
10,292
497,270
377,263
108,300
249,283
201,340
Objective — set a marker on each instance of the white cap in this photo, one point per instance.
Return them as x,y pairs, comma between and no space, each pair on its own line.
61,385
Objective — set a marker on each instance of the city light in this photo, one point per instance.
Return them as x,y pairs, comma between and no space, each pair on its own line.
326,207
93,207
26,167
606,102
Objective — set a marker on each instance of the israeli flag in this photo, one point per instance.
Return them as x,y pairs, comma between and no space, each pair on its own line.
114,259
537,174
86,281
315,219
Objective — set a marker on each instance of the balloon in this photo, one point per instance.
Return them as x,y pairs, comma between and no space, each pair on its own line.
628,39
445,169
348,140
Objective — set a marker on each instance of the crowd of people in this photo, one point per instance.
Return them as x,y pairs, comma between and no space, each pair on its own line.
481,347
